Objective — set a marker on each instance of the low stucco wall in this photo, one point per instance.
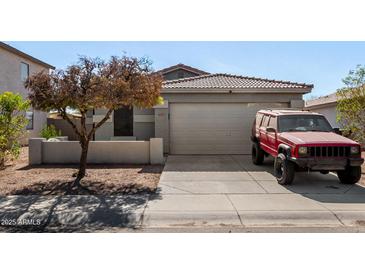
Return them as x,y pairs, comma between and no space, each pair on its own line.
100,152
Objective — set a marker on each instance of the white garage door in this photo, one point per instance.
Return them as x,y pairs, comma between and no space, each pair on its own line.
213,128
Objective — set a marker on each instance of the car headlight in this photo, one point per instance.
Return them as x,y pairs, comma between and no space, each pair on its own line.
303,150
355,150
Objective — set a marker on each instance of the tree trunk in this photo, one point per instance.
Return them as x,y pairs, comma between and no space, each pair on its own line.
2,161
83,161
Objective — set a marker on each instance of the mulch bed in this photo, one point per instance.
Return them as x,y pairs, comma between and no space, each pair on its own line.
20,179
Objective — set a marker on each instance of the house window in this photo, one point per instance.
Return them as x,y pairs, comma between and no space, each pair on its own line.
29,115
123,122
24,71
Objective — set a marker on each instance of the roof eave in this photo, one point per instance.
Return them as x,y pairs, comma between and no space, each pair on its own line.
316,106
24,55
237,90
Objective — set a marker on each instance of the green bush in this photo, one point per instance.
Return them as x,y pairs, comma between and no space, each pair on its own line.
49,132
12,125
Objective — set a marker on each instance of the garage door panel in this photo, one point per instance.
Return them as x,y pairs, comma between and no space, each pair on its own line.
213,128
207,135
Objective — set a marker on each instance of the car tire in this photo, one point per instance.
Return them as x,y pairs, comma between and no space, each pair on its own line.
284,170
351,175
257,154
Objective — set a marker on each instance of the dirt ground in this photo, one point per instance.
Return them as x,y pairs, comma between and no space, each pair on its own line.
19,178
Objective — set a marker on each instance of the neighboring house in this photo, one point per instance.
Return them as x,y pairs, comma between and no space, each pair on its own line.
15,67
325,105
204,114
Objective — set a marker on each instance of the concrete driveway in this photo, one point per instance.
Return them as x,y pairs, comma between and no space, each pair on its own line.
229,190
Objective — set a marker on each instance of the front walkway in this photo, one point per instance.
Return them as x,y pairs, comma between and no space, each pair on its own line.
198,191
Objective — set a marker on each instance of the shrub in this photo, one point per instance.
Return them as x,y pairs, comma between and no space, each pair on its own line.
12,125
351,104
49,132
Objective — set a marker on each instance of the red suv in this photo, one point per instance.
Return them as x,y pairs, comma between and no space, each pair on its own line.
303,141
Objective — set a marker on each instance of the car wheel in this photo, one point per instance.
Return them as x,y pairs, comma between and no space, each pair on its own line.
324,172
257,154
284,170
351,175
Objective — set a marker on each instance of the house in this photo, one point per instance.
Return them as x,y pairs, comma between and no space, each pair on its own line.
325,105
204,113
15,67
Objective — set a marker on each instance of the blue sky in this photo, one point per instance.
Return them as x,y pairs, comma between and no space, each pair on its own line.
323,64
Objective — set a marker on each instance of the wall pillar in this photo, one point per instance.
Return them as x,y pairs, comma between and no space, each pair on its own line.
156,151
35,151
162,129
299,104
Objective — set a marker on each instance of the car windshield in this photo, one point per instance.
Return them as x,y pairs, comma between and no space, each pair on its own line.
303,123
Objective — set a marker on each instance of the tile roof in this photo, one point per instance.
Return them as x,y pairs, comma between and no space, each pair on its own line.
328,99
182,66
228,81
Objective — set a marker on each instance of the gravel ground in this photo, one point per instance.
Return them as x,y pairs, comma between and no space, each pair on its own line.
19,178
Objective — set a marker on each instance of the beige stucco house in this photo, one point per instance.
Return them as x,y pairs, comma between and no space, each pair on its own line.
325,105
15,67
203,113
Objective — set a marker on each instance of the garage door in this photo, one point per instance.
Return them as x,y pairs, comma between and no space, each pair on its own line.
213,128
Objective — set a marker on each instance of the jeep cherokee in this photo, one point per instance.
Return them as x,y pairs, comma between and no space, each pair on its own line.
303,141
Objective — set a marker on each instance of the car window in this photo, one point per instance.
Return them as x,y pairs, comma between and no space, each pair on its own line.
267,121
264,121
272,122
259,118
303,123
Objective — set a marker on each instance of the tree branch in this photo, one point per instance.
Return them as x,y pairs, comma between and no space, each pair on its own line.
100,123
65,116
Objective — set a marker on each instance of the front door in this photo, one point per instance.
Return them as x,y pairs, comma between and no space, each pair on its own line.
123,122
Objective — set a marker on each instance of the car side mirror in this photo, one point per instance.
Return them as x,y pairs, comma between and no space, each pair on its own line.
271,129
337,131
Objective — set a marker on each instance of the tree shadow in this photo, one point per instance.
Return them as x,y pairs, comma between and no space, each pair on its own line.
73,213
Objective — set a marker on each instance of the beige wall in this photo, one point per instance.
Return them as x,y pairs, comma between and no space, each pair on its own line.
143,125
66,129
100,152
329,111
10,81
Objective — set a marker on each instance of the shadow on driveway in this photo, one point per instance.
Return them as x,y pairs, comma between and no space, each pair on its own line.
322,188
